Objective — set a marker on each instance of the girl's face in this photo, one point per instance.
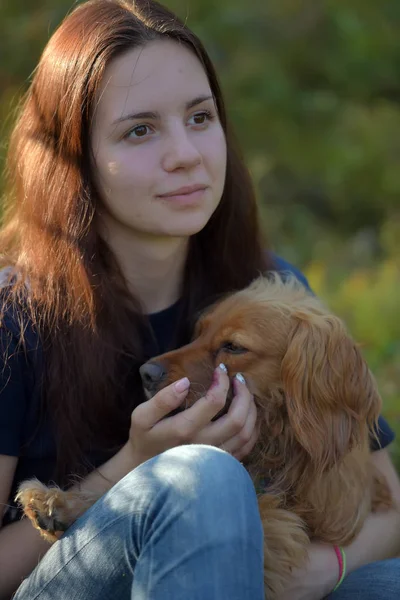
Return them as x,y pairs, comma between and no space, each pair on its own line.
158,145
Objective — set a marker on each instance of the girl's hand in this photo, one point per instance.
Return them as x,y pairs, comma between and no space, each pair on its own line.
153,432
236,431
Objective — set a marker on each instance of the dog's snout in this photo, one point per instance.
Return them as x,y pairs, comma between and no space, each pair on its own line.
152,374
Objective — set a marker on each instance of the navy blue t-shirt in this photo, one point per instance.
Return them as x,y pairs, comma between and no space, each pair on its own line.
26,434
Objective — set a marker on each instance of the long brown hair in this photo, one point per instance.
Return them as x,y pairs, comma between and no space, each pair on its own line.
77,298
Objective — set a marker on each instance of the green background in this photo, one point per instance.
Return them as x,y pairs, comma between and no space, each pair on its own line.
313,91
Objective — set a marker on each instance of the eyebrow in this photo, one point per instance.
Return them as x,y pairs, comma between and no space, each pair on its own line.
156,115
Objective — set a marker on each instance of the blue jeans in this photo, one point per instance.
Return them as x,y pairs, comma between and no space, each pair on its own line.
182,526
377,581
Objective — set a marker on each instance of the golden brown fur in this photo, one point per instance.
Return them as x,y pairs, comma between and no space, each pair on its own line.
317,403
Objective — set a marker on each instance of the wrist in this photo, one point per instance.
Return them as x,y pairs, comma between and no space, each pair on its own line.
109,473
322,573
334,572
130,456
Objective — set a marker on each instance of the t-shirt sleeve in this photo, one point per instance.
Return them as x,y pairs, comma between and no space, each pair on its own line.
285,268
13,396
384,435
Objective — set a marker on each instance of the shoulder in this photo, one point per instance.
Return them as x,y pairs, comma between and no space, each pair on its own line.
283,267
382,435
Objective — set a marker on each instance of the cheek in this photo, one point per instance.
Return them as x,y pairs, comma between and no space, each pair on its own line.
215,155
125,187
260,373
235,364
273,421
125,171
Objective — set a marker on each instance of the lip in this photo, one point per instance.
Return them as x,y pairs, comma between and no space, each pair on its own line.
184,191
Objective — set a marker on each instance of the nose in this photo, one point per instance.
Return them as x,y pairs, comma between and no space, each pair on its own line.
181,152
152,373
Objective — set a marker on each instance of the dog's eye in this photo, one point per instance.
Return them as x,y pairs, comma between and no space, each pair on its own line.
233,348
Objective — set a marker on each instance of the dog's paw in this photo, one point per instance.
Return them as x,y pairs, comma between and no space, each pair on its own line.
46,507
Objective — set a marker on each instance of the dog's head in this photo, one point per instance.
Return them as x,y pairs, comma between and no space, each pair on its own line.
310,381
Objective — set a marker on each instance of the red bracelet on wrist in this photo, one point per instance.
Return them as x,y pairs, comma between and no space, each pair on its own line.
341,556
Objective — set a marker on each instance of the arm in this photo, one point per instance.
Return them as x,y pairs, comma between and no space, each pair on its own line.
379,539
21,546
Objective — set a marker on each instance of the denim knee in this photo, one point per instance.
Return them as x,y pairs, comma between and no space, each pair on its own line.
204,469
209,490
193,483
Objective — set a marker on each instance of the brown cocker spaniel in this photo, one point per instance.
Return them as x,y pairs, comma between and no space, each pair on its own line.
317,405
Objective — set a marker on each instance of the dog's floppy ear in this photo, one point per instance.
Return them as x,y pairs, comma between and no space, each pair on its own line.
330,393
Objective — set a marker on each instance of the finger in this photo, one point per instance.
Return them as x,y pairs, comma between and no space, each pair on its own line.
228,426
246,434
147,414
189,422
247,448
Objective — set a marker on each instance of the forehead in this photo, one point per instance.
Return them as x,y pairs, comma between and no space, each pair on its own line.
238,314
160,76
230,315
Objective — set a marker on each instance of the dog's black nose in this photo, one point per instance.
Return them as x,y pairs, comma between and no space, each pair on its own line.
152,374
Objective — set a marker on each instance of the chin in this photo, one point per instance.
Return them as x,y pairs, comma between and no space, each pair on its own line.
186,225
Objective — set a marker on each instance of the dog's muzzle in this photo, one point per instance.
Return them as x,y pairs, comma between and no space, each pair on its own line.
153,374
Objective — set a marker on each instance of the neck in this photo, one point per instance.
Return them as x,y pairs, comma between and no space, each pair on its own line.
152,266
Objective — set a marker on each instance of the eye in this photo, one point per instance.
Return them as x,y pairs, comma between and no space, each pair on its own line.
233,348
201,118
139,131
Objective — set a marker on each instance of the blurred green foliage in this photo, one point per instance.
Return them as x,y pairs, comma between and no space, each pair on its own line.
313,91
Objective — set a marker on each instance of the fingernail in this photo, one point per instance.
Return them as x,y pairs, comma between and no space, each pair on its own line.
182,385
217,374
240,378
